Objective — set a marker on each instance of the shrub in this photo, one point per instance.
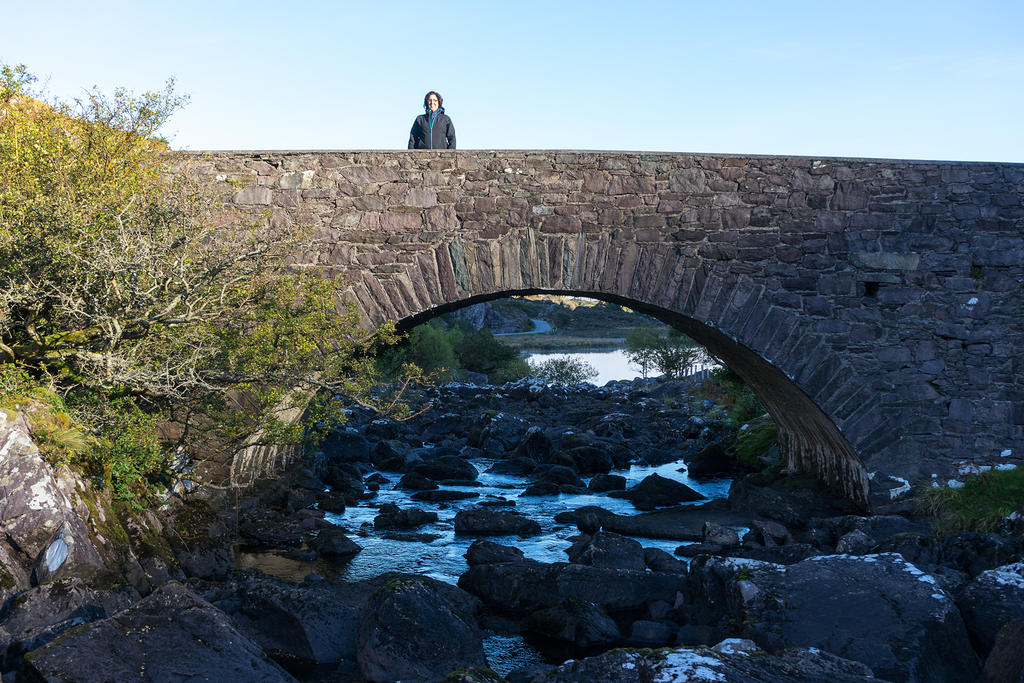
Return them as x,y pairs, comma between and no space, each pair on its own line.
983,501
565,370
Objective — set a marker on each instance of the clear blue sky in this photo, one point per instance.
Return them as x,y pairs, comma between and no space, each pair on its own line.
904,79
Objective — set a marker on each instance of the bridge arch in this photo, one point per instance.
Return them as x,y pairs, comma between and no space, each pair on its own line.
874,305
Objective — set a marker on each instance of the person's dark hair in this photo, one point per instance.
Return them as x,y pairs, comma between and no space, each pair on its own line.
440,100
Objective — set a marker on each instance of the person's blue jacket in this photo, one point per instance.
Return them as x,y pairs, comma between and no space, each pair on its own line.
432,131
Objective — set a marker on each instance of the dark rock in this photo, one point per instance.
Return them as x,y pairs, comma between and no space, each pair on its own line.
517,466
270,529
447,467
1005,664
792,505
390,455
213,564
347,445
558,475
590,459
418,628
719,535
696,634
391,517
331,501
441,496
409,537
416,482
651,633
301,626
171,635
855,542
534,445
876,609
544,488
477,522
526,586
656,491
768,533
334,543
727,663
39,615
991,600
488,552
607,482
583,624
658,560
606,549
974,553
713,460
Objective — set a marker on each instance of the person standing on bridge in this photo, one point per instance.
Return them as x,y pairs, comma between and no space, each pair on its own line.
432,129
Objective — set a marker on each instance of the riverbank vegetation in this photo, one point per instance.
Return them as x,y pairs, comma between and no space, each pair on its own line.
125,303
979,505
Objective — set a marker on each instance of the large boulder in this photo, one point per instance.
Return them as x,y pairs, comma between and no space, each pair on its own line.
172,634
583,624
301,626
446,467
876,609
607,549
656,491
418,628
732,661
991,600
481,522
42,517
39,615
527,585
391,517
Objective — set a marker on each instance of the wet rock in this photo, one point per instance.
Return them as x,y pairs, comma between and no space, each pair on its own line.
768,533
481,522
657,560
591,459
797,665
418,628
335,544
991,600
601,483
583,624
414,481
447,467
657,491
171,635
558,475
411,537
517,466
607,549
876,609
392,517
719,535
488,552
544,488
347,445
213,564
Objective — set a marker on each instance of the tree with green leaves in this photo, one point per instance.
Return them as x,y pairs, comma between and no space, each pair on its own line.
122,281
672,353
565,370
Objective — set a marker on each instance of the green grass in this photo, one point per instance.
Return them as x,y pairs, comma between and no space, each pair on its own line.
754,442
982,502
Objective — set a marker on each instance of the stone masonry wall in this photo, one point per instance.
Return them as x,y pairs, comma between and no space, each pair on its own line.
875,305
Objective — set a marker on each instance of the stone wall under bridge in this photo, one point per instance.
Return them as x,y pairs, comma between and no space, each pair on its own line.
874,305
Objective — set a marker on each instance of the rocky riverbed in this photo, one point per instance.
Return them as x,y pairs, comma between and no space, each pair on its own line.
517,533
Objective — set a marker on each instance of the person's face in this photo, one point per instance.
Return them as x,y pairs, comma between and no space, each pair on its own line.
432,103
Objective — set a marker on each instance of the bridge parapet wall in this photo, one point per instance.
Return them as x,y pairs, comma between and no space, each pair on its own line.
886,294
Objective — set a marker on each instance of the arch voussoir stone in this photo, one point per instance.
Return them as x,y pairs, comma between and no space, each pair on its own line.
874,305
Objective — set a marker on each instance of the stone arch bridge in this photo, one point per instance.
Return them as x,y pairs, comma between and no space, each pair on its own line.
874,305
